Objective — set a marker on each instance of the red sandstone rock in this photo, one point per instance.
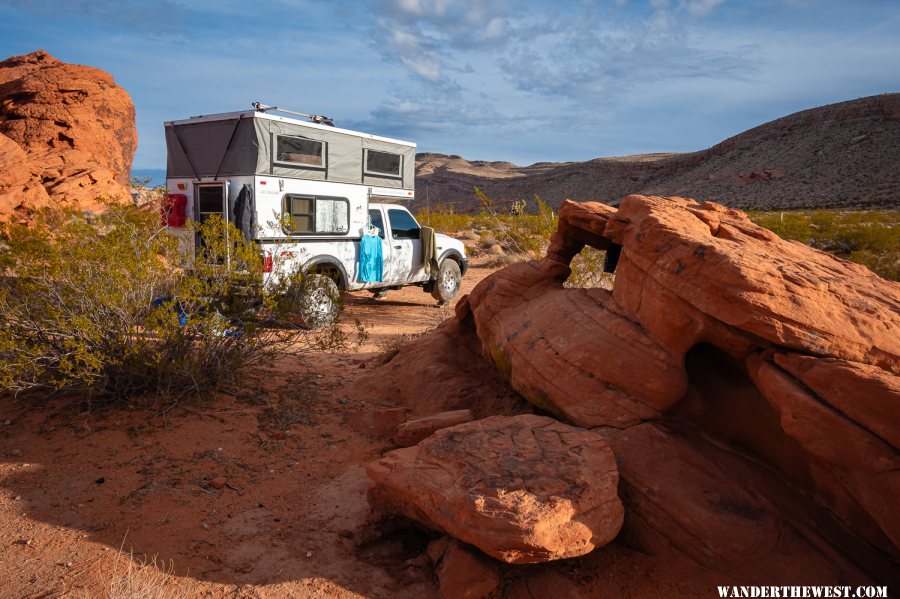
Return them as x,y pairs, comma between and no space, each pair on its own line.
866,394
522,489
75,127
441,373
413,431
378,422
689,273
20,186
782,355
461,573
686,496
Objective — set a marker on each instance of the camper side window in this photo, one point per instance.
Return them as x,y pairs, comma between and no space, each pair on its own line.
383,163
311,215
299,151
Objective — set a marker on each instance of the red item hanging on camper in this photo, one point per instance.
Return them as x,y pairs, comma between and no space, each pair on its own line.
173,210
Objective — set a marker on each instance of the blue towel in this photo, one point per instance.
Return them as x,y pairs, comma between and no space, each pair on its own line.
370,259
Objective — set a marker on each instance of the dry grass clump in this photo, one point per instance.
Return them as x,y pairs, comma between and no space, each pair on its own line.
135,579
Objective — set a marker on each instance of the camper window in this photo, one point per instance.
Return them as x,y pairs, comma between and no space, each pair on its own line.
382,163
317,215
299,151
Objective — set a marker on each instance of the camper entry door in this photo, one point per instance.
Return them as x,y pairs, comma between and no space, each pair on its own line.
211,199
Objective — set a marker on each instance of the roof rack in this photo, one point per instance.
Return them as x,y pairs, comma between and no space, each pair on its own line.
316,118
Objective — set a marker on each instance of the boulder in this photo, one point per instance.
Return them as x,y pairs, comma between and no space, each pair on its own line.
462,573
688,274
780,361
522,489
413,431
74,129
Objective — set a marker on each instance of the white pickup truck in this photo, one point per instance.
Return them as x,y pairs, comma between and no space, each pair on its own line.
335,265
307,193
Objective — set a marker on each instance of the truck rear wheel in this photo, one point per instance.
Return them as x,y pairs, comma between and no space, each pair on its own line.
318,301
448,280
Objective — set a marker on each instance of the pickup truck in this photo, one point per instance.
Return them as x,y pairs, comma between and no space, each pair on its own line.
333,265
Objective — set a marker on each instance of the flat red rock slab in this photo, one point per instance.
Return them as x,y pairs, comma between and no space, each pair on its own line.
523,489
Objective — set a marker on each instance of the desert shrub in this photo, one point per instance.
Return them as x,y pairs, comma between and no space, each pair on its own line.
113,307
587,270
869,237
523,233
444,219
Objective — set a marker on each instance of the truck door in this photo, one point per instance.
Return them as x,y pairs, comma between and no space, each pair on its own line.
378,221
406,249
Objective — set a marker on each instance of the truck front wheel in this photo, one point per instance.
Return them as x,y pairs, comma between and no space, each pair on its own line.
448,280
318,301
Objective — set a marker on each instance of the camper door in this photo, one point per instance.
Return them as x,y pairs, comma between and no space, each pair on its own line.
210,200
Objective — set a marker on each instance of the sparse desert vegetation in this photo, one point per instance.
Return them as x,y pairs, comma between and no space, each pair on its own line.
868,237
659,441
111,307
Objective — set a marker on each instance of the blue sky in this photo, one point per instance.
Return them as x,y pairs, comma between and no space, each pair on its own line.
522,81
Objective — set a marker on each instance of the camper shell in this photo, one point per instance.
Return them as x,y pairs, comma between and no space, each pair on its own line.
306,190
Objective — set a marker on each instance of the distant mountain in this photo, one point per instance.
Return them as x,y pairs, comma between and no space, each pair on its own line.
844,155
157,175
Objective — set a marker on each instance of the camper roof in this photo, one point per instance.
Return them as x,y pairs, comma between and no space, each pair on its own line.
224,116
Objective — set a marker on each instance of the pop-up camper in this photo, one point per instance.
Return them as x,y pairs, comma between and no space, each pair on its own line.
312,192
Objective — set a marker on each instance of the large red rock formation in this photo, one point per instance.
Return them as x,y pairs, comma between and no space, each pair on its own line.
747,384
67,135
523,489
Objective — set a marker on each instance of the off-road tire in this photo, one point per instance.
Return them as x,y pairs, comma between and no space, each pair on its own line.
318,301
448,281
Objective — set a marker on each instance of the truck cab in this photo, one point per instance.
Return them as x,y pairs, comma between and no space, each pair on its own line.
402,246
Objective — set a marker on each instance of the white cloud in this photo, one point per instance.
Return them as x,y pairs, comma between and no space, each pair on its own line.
423,34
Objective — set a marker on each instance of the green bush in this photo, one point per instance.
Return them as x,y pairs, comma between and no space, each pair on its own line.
114,307
869,237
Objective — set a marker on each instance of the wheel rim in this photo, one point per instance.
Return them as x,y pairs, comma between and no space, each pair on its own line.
319,304
449,284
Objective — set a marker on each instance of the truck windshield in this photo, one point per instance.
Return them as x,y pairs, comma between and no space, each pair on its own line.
403,225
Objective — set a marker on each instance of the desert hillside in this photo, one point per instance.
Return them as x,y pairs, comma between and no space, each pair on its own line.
842,155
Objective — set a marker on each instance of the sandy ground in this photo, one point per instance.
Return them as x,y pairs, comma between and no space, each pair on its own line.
85,494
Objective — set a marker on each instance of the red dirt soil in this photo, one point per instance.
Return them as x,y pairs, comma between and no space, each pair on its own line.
290,518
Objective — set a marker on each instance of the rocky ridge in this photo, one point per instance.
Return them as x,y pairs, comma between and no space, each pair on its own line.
842,155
